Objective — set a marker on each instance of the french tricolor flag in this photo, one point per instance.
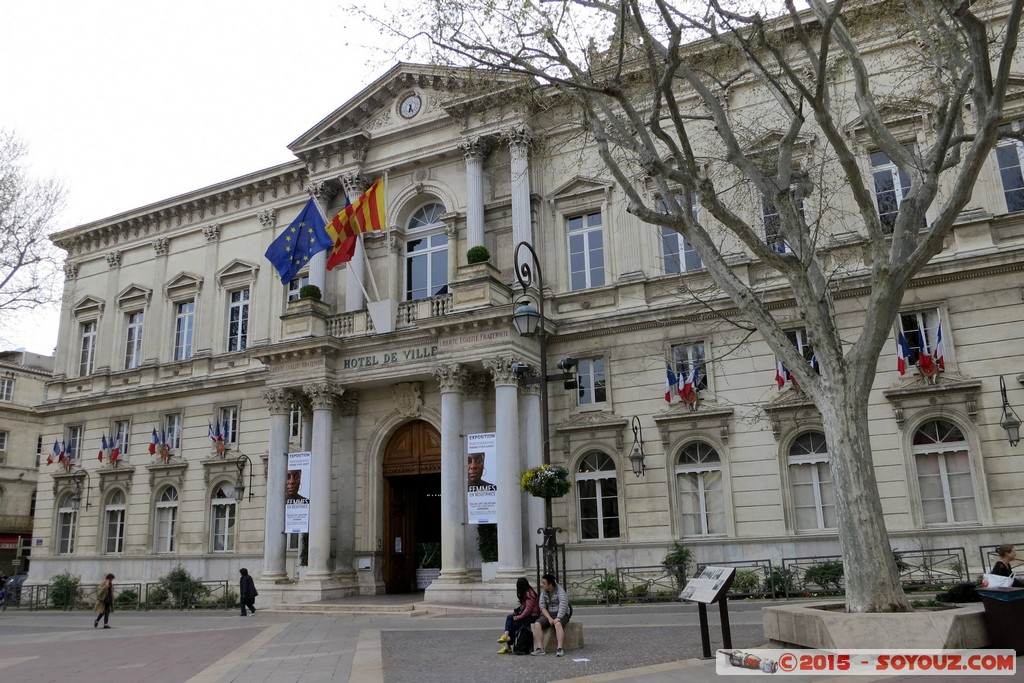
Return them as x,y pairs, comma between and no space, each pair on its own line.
670,381
781,373
939,354
103,447
115,448
154,440
54,454
902,353
689,391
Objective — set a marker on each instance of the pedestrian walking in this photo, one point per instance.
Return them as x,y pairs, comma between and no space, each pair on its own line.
104,602
246,592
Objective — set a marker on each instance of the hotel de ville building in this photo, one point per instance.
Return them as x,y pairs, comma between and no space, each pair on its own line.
175,327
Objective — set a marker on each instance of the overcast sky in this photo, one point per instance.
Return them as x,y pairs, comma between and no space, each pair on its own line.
130,102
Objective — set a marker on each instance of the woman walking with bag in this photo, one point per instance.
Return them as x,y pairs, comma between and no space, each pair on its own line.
104,602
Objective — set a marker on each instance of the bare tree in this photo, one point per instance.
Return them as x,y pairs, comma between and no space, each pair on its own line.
29,262
718,105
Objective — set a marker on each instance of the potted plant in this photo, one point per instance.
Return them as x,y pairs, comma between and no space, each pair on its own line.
478,254
310,292
545,481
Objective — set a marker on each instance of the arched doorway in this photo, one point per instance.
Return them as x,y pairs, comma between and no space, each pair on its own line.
412,503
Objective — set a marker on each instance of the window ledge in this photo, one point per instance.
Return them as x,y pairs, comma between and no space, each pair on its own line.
917,392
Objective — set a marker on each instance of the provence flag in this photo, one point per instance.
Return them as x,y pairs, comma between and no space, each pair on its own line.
299,242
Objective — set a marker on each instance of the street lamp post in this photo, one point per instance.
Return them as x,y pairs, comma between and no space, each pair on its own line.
529,322
240,463
79,477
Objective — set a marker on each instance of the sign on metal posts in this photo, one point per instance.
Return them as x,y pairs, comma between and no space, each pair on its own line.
708,587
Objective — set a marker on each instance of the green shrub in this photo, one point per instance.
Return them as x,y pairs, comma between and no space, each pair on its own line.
157,596
677,562
828,575
128,598
66,590
186,590
487,542
640,592
780,581
746,581
901,566
478,254
310,292
609,587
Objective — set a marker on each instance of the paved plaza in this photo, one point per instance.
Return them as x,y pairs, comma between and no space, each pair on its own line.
650,643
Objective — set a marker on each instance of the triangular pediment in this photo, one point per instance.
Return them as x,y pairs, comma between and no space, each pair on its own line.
87,307
237,271
183,284
134,296
580,185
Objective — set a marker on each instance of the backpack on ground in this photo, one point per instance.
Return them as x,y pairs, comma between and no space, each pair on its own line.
522,642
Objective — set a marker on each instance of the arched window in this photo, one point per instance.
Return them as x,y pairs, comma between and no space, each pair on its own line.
701,497
166,520
597,487
222,530
810,480
114,522
67,517
944,474
426,254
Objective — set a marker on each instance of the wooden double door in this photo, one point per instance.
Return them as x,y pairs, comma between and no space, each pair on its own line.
412,503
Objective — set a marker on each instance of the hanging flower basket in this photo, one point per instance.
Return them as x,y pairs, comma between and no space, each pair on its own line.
545,481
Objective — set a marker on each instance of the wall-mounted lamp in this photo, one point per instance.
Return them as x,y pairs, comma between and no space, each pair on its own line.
636,457
80,477
240,463
1010,422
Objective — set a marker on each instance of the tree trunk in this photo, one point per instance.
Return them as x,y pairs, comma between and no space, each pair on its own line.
872,581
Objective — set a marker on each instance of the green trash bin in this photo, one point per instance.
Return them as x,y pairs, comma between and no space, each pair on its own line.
1004,617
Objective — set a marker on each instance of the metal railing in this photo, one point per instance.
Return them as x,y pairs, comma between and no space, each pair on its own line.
754,578
931,567
587,584
653,583
196,595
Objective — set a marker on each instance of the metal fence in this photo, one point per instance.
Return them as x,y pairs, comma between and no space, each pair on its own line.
931,568
192,595
653,583
754,578
588,584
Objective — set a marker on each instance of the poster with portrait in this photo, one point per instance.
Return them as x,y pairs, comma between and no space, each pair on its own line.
481,472
296,494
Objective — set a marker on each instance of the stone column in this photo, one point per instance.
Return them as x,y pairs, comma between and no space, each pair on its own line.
532,455
322,396
510,499
355,276
278,404
474,149
323,193
519,146
345,531
451,378
478,386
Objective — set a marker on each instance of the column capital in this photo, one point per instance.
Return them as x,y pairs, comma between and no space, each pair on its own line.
533,388
348,404
475,148
323,394
321,190
354,182
501,369
279,401
519,138
268,217
451,377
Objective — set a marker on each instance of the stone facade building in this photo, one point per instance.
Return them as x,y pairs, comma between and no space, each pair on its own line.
173,322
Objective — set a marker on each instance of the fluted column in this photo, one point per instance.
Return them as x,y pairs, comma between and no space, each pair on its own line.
532,455
474,421
474,149
355,276
278,405
519,146
322,397
345,531
510,508
323,193
451,378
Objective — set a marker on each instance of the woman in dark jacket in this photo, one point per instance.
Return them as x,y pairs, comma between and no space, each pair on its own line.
521,616
246,592
104,602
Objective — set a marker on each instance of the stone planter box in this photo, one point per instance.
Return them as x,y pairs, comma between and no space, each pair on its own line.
305,318
807,625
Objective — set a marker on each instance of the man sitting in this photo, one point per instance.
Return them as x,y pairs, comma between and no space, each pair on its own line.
554,612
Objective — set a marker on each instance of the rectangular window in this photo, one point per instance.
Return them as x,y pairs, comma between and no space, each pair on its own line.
39,449
122,432
701,502
814,499
1010,156
426,267
73,446
295,285
223,526
684,357
294,422
679,256
166,518
6,389
228,417
184,319
66,531
115,530
3,452
293,541
238,320
921,330
172,430
773,226
133,340
892,185
802,343
599,507
586,251
590,381
947,492
87,358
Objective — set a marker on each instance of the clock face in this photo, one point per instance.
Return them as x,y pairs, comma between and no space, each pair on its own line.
410,106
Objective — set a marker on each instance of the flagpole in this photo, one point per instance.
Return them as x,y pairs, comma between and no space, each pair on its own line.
369,270
387,238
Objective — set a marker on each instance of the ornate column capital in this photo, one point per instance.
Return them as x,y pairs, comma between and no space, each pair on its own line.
114,258
501,369
322,395
70,270
321,190
354,182
161,246
533,388
348,404
475,148
451,377
279,401
519,138
268,217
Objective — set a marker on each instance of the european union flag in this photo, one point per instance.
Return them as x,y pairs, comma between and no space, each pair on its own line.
302,239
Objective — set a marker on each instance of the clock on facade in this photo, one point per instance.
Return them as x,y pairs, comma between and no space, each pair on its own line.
410,106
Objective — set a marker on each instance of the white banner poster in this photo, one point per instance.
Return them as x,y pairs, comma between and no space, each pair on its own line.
296,494
481,494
